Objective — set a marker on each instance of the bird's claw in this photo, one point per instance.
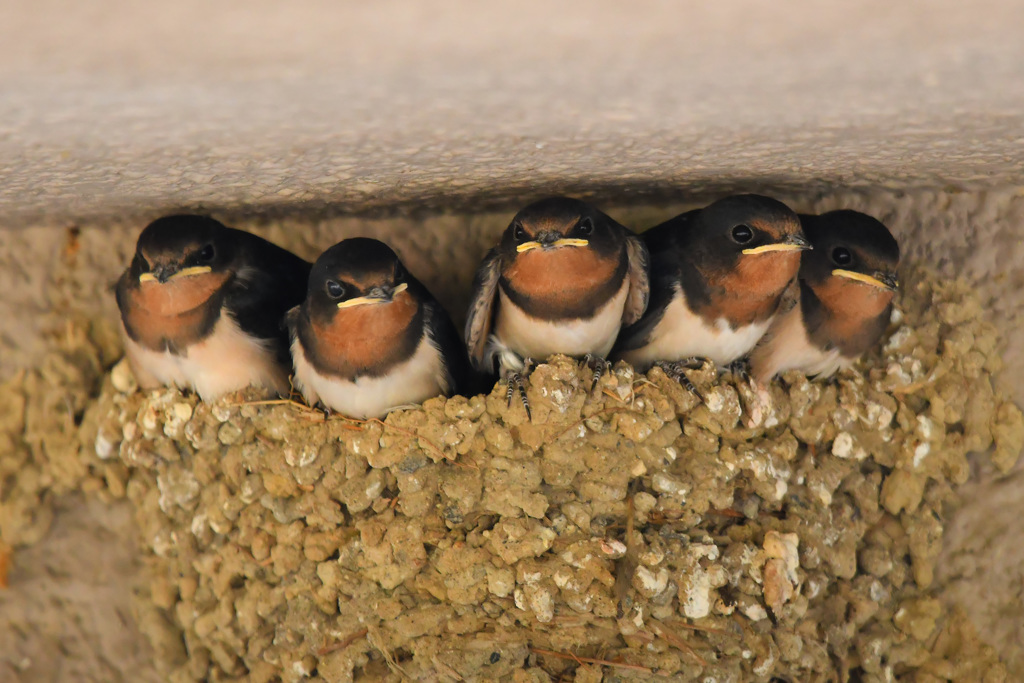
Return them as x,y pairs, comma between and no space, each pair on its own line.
741,368
599,366
695,362
516,380
675,371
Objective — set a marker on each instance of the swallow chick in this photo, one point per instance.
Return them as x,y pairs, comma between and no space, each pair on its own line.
369,337
202,307
718,275
847,286
564,278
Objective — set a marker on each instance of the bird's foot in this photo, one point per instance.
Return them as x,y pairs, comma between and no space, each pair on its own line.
741,368
599,366
696,362
516,381
324,409
676,371
186,391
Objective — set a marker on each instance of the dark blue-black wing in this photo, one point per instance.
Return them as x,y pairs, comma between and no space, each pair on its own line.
270,282
662,249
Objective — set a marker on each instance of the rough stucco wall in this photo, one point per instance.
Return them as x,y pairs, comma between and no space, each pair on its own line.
114,112
73,605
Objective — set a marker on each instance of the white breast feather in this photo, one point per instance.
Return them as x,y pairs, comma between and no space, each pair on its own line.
681,334
226,360
414,380
517,333
787,347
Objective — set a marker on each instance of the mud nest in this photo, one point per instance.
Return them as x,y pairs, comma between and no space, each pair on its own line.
627,530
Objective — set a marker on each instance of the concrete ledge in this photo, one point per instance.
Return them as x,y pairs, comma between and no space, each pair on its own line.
115,107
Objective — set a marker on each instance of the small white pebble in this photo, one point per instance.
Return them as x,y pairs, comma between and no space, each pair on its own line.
129,431
221,412
714,401
612,547
708,550
754,612
122,378
302,456
696,600
652,582
663,483
148,417
842,447
542,604
181,412
925,427
920,453
104,446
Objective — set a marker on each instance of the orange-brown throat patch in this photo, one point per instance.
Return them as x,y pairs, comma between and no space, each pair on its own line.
562,276
366,336
174,312
850,303
750,292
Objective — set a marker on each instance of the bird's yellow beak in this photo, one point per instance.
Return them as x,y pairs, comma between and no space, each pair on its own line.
184,272
565,242
789,243
364,300
778,246
891,283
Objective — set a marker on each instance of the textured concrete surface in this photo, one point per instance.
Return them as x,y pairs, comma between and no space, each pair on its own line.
115,107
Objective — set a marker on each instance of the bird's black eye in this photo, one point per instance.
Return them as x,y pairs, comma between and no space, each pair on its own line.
841,256
518,233
335,290
585,226
207,253
399,272
742,234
